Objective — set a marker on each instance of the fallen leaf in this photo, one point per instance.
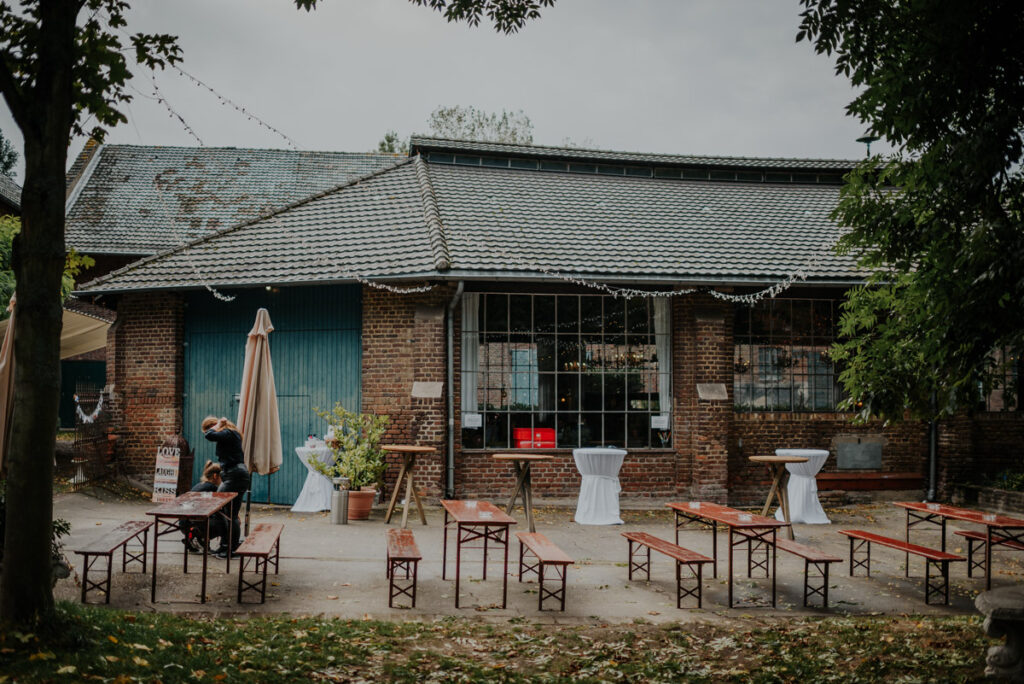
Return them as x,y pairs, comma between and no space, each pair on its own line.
67,669
141,662
42,655
113,639
332,597
111,658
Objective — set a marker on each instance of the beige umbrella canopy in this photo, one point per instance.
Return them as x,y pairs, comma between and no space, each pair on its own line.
6,383
258,418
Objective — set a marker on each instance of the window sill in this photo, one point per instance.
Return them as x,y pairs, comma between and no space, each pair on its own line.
561,450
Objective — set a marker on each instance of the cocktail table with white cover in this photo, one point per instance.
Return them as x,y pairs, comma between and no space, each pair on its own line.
804,506
599,491
317,490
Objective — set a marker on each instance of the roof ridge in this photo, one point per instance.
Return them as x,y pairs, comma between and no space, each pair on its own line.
220,148
435,229
262,217
482,146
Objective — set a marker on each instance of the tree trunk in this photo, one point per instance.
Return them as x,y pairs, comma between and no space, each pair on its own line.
26,593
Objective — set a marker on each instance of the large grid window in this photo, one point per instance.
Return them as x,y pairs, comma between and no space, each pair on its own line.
1005,394
781,360
565,371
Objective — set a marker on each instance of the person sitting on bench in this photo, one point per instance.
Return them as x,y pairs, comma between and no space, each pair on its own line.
195,531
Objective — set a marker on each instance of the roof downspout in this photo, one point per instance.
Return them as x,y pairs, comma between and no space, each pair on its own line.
449,485
933,451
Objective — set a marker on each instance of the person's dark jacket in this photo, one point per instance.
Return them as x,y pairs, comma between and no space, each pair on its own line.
229,447
203,486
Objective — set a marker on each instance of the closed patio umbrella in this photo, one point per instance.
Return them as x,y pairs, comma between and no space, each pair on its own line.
258,418
6,384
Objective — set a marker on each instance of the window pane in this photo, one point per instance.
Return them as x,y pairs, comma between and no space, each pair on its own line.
568,314
545,352
590,314
520,313
638,434
615,392
496,313
592,389
567,430
496,430
614,315
568,353
615,429
637,320
543,313
590,430
568,389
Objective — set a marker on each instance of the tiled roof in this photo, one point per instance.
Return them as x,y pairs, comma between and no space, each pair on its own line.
141,200
371,227
421,144
421,220
10,192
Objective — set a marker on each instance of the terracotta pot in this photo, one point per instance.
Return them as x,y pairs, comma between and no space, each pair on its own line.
360,503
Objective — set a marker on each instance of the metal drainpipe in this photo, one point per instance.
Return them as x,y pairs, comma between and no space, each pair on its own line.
450,460
933,450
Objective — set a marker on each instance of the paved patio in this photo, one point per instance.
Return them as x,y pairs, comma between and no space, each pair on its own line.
338,570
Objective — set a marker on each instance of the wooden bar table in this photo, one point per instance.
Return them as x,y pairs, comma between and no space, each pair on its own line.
475,520
780,483
409,453
999,529
195,506
524,481
744,528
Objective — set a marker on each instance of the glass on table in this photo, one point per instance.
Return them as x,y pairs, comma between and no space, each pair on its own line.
988,517
695,505
933,507
746,517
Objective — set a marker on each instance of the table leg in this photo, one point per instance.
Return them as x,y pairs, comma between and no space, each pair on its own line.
783,494
528,497
504,575
458,559
772,491
206,551
419,502
394,494
156,541
444,549
730,564
408,496
714,551
775,557
486,530
520,479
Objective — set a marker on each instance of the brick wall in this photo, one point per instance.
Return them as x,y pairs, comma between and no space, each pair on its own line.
998,442
404,342
145,357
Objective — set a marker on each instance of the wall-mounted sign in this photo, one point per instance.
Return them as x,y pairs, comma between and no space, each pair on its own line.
659,422
472,420
165,480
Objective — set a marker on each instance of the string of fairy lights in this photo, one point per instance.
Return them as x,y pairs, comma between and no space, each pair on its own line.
814,259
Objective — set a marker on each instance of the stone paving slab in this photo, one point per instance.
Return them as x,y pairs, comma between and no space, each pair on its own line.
338,570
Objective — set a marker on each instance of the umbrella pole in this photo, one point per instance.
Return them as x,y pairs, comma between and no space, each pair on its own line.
248,504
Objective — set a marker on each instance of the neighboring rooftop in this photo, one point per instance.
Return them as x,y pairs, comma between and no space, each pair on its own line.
139,200
10,193
440,220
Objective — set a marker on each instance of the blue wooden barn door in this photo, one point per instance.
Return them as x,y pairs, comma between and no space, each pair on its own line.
315,351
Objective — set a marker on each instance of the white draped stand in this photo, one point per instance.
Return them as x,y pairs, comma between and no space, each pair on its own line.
599,491
317,491
804,506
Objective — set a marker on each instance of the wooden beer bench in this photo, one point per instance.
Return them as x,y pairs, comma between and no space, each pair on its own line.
263,546
119,537
682,556
812,557
980,539
932,557
545,554
403,556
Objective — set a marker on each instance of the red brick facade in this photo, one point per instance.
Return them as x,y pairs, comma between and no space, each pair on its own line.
404,342
145,355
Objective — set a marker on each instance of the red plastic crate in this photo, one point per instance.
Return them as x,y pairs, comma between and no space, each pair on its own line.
533,438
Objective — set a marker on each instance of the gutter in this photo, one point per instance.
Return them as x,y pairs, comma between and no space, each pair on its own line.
933,451
449,484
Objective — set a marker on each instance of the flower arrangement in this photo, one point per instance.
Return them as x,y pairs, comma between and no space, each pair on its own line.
355,445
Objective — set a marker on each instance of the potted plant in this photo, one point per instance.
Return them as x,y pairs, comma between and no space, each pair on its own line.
355,445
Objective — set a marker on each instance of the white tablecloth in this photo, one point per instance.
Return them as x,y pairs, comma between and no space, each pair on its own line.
599,491
804,506
317,490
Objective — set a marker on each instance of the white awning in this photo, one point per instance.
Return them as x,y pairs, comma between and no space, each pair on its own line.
80,334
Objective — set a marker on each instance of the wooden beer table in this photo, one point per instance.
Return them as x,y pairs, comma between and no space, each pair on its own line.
999,529
780,484
194,506
524,482
408,453
744,528
475,520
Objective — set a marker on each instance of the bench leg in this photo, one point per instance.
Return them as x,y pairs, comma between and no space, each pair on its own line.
941,583
558,593
755,546
259,568
859,546
972,563
696,572
104,584
642,565
411,570
821,567
136,555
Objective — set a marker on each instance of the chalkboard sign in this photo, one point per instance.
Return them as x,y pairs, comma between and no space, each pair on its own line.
165,479
859,455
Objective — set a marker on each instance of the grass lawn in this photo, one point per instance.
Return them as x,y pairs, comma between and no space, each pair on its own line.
97,644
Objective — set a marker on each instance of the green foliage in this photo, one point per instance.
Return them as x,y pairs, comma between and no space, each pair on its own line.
391,143
8,156
89,643
470,123
1008,479
508,16
74,264
940,224
355,447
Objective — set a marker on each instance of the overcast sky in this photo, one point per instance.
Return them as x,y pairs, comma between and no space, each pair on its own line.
705,77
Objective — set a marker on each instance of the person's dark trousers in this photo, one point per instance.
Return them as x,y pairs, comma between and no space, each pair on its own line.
234,479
